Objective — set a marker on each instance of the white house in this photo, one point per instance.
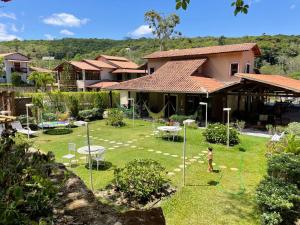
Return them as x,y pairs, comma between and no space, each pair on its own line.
14,62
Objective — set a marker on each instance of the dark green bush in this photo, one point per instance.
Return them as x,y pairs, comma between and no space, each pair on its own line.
49,117
58,131
181,118
16,79
217,133
23,119
140,179
73,106
115,117
26,195
90,114
278,195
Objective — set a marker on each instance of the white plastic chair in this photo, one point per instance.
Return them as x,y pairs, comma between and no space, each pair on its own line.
175,133
98,158
71,152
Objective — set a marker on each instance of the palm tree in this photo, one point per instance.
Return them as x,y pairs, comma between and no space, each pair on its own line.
41,80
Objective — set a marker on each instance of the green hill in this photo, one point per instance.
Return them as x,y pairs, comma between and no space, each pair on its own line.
280,53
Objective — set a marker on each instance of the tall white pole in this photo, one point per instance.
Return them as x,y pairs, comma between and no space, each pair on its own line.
228,129
184,152
90,158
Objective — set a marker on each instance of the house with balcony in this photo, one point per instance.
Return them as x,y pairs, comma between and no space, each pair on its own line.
96,74
221,76
14,62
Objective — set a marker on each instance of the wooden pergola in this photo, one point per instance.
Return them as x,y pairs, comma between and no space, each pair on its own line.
6,120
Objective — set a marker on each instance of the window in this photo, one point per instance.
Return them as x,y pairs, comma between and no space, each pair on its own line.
247,68
119,77
234,68
151,70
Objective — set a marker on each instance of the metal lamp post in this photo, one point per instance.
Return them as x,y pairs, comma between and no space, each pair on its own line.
205,104
27,117
132,99
228,113
185,123
90,158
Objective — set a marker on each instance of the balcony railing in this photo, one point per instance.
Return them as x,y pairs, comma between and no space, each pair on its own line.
19,70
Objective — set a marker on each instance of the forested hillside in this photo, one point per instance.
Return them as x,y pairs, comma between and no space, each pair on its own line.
280,53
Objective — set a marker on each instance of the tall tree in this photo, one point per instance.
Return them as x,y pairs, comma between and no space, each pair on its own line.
1,65
41,80
239,6
163,27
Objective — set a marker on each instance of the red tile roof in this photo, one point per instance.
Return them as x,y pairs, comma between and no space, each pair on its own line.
173,77
205,51
39,69
109,57
124,64
274,80
84,66
103,84
99,64
130,71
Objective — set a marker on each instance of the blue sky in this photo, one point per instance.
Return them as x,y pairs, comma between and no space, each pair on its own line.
116,19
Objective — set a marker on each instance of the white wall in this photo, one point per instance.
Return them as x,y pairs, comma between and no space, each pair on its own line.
123,97
107,75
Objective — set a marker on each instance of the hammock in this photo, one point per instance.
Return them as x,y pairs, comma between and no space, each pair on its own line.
156,116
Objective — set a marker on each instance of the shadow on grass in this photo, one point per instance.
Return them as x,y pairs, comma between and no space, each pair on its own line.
241,149
176,139
242,206
105,165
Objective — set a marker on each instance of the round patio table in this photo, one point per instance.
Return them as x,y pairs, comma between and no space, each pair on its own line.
169,128
95,150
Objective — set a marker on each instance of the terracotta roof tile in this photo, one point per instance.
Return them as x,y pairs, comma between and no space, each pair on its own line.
124,64
39,69
103,84
173,77
109,57
99,64
205,51
130,71
84,66
274,80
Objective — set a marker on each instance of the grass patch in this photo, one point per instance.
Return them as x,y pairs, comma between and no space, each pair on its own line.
226,197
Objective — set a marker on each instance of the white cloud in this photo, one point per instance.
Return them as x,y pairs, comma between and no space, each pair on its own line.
66,32
49,37
4,35
141,31
14,28
65,20
292,7
8,15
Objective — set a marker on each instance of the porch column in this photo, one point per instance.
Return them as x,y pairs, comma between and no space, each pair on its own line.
110,99
83,79
168,105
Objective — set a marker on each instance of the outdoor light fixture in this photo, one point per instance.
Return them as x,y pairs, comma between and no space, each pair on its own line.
27,117
228,113
132,99
205,104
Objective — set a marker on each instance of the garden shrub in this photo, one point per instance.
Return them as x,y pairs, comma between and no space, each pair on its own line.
16,79
278,194
73,105
290,143
49,117
115,117
27,195
140,179
217,133
90,114
240,125
181,118
294,128
23,119
58,131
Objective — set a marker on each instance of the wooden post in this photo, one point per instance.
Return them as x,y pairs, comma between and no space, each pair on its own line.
110,99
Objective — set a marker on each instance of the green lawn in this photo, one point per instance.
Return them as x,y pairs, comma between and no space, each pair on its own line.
226,197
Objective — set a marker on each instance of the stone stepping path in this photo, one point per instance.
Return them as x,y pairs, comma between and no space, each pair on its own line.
133,146
204,152
234,169
150,150
201,162
223,167
158,152
166,153
171,174
177,170
175,156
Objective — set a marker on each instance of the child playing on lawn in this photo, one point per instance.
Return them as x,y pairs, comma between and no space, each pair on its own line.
210,159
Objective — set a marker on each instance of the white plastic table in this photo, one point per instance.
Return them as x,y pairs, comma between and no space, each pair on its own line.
94,149
173,130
